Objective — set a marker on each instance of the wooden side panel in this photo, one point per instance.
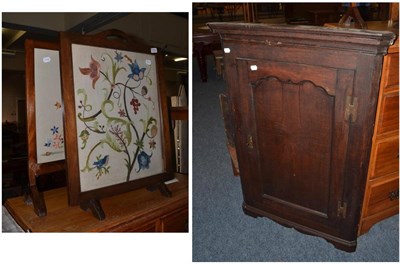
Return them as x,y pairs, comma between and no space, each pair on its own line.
227,114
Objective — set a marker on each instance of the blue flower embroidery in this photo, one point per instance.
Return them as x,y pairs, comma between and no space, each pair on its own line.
54,130
47,143
144,160
137,73
118,57
100,163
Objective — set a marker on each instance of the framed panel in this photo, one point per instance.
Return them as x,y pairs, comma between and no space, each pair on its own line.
116,116
46,152
49,124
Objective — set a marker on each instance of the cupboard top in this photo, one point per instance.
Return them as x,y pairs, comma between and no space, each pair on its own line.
366,41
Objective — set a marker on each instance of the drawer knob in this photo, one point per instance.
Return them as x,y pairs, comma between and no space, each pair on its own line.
394,195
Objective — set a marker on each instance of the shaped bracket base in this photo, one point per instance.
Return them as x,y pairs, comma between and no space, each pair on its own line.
162,187
94,206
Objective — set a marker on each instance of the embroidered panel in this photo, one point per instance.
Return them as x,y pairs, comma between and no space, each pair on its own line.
118,116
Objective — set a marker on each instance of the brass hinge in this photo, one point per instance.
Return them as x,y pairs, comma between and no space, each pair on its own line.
341,210
250,142
351,109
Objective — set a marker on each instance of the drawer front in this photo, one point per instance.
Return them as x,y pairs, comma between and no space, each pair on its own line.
176,222
386,158
389,115
382,196
134,227
368,222
149,227
392,70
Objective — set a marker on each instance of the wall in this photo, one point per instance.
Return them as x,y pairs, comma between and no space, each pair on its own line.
13,88
155,28
15,63
53,21
158,29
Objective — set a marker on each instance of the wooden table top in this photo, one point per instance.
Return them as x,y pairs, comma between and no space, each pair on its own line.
140,205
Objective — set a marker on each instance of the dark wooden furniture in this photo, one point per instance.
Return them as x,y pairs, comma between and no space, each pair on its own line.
179,113
322,16
353,16
303,101
135,211
311,13
204,43
381,198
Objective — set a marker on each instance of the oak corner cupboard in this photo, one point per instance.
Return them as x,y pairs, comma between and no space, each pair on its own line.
302,104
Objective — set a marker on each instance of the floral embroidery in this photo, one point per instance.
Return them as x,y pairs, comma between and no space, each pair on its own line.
57,105
123,121
152,144
84,136
93,71
122,113
144,160
153,131
57,140
119,135
136,73
135,105
144,90
47,143
118,57
54,130
100,165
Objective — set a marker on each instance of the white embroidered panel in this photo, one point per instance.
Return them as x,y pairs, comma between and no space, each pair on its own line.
119,125
48,106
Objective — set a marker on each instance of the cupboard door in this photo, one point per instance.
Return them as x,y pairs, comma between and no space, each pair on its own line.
292,138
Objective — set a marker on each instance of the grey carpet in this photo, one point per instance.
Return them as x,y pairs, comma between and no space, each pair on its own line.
222,232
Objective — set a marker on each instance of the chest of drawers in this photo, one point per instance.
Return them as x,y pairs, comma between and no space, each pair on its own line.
381,198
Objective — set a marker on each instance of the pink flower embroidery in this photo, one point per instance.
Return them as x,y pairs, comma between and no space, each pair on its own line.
122,113
152,144
93,71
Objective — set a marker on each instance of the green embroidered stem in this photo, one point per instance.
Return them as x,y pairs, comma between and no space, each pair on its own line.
87,168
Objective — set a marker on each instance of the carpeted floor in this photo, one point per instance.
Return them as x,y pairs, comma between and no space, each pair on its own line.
222,232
